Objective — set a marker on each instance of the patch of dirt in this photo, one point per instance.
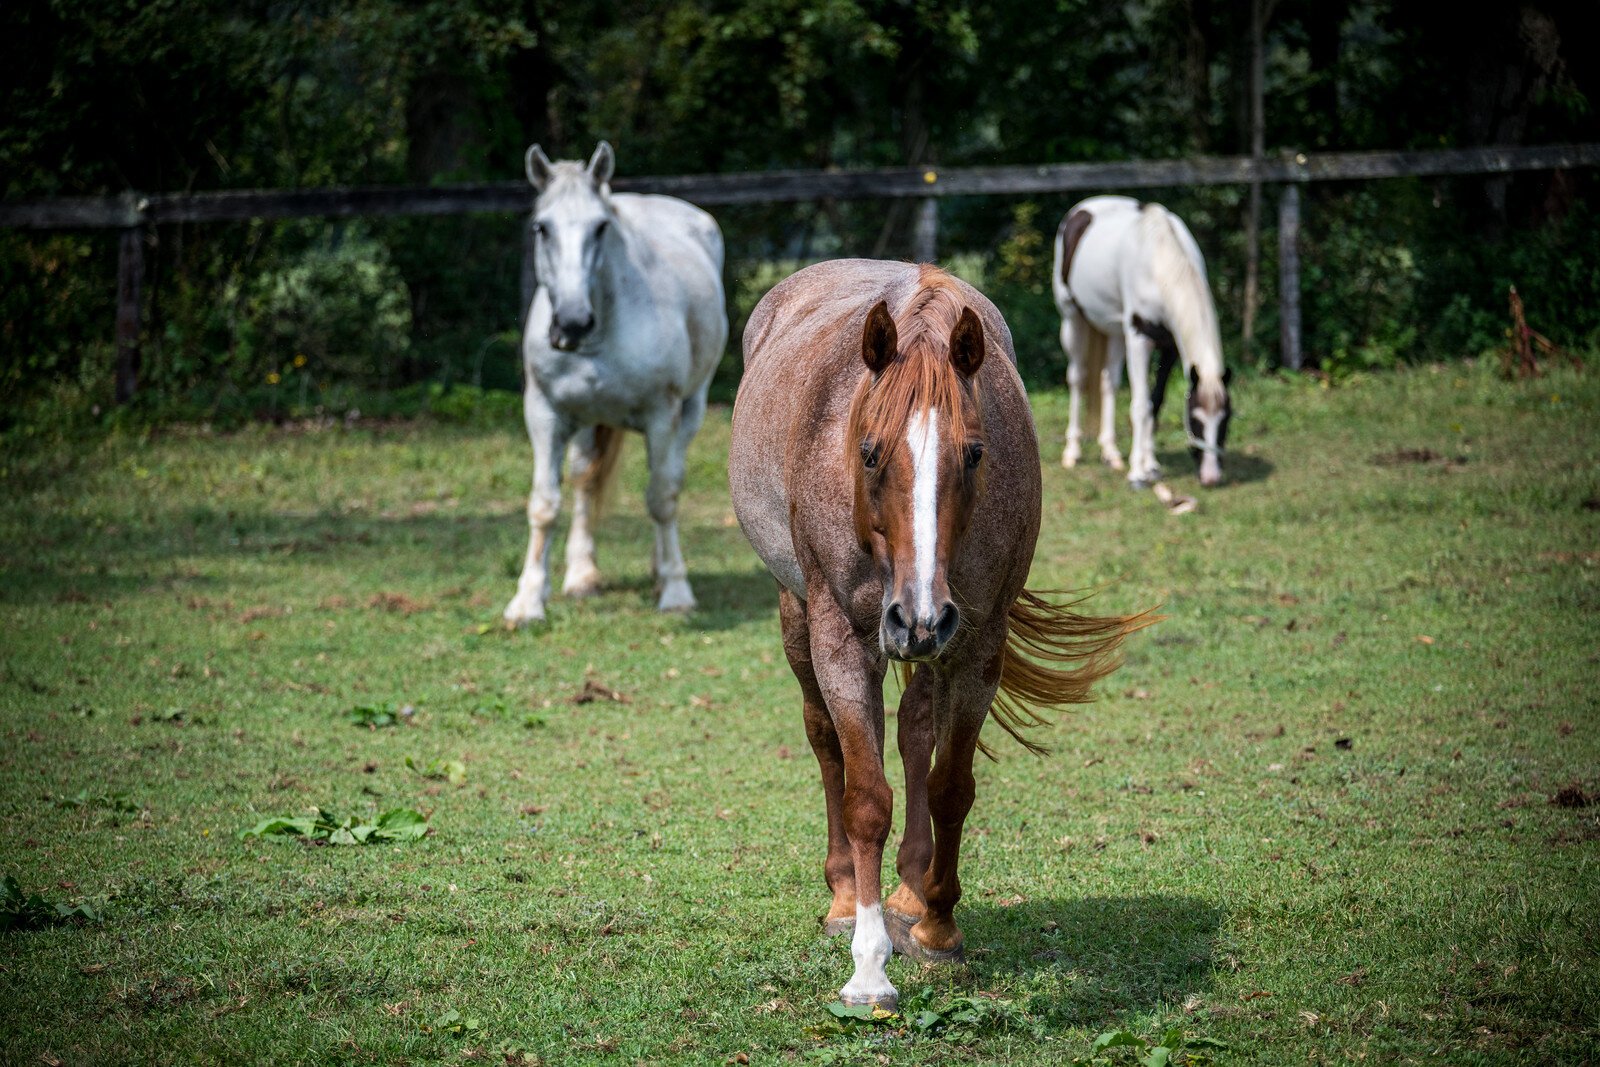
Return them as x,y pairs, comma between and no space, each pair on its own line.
1402,457
399,603
1572,795
593,691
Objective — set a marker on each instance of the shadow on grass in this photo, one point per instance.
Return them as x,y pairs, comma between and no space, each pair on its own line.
1237,468
1114,955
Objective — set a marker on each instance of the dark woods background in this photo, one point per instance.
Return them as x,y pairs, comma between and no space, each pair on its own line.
255,320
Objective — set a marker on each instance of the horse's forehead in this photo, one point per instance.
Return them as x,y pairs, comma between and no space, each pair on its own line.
572,196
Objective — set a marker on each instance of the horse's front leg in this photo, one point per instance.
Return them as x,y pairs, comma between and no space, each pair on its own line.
667,438
951,789
583,575
1143,471
914,728
839,868
850,677
548,434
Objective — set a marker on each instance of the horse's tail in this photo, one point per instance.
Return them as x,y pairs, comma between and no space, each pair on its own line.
1094,365
1053,656
597,475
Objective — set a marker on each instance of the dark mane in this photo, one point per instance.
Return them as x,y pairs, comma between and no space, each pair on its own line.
920,377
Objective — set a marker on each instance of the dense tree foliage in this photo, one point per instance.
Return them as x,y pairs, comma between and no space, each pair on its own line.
100,96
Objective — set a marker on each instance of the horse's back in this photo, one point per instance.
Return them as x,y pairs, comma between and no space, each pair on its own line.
1109,263
683,264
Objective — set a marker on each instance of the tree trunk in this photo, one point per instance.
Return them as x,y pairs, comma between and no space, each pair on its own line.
1258,125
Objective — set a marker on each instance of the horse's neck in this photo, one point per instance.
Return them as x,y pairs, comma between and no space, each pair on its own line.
1188,311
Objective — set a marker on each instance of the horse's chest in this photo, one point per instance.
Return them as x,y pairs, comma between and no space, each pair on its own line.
604,387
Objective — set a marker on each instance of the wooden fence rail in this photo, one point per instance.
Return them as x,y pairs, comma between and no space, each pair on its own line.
132,212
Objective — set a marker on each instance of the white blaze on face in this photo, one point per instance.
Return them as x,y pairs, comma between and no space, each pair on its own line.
870,948
1210,426
922,438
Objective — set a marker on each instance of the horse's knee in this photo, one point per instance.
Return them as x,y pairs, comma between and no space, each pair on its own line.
662,501
950,798
543,509
868,809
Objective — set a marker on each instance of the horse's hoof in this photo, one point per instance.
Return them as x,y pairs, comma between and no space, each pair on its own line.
889,1002
905,943
518,615
582,585
835,927
1138,483
676,597
1069,458
1116,463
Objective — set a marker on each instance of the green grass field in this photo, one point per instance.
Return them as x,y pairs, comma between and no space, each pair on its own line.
1311,817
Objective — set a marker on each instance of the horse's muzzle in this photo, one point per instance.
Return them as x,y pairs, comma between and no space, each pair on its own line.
566,334
918,638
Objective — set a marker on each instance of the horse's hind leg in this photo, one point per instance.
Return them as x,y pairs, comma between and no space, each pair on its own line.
1074,342
838,869
583,576
548,436
668,437
1110,382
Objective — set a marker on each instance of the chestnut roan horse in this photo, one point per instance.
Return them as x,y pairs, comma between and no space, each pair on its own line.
885,468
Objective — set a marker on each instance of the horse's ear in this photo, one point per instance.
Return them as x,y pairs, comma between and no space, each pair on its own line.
879,339
1227,376
537,166
602,163
966,344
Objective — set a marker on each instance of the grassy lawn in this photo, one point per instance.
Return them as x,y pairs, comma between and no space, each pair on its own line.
1311,817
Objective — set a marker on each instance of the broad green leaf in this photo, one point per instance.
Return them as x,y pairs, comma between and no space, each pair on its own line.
1157,1057
1173,1038
851,1011
1116,1039
281,827
401,824
342,836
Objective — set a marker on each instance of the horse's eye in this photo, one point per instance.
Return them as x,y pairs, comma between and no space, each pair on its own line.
600,230
541,230
869,454
974,454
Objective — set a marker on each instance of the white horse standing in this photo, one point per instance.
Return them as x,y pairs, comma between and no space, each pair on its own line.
1129,280
626,327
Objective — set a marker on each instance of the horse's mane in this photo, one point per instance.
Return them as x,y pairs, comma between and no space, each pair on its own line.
1191,315
920,376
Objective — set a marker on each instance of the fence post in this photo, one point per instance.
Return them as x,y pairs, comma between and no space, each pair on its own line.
925,240
130,281
1289,275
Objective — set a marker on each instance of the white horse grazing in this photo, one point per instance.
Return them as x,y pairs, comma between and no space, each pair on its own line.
625,329
1128,280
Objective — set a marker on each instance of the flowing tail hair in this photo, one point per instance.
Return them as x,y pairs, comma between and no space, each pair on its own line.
597,475
1052,657
1094,366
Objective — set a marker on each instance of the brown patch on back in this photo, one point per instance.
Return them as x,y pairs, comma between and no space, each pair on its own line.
1072,228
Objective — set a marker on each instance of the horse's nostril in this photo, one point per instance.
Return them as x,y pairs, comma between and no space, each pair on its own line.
949,620
895,619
